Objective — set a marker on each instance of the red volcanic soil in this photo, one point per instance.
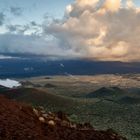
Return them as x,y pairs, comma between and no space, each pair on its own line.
22,122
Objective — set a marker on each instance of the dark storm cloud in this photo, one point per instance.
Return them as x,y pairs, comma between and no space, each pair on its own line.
33,23
16,11
2,18
19,43
32,28
17,28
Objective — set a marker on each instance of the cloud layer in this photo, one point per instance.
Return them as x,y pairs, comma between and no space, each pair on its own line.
104,30
9,83
94,29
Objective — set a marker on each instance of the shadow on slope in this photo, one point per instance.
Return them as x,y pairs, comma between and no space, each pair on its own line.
2,88
37,97
106,92
129,100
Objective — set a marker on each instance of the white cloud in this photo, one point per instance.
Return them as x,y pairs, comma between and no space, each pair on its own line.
7,57
130,4
9,83
84,3
112,5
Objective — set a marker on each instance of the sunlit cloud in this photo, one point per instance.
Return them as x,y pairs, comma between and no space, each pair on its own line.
103,30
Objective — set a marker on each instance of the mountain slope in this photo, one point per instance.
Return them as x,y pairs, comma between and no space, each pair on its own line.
37,97
22,122
106,92
2,88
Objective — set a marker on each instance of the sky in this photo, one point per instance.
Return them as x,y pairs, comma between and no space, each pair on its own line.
93,29
34,9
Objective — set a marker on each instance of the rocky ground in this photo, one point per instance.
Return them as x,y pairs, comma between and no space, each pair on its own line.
22,122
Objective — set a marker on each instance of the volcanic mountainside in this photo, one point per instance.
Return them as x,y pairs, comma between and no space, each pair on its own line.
19,121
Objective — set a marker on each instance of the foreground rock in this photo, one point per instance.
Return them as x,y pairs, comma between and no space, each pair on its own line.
22,122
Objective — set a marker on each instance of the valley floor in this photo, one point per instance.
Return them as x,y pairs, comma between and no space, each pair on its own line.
119,110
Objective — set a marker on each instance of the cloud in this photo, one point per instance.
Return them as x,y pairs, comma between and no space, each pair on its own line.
9,83
33,23
30,28
33,44
16,11
130,4
95,29
112,5
7,57
2,18
100,29
17,28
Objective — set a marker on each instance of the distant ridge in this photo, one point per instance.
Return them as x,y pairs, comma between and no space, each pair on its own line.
105,92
